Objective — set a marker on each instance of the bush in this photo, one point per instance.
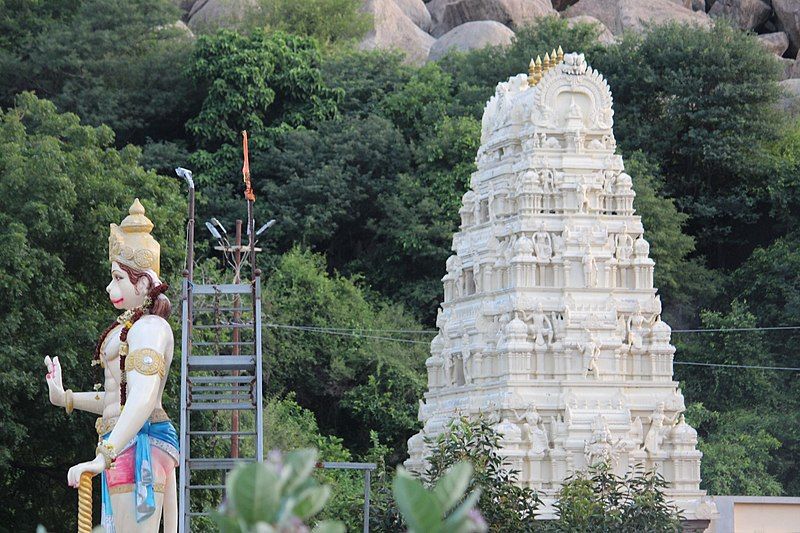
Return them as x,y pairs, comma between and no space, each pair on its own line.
599,501
278,495
505,505
438,510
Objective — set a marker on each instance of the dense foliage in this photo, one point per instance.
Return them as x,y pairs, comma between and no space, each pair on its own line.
594,501
363,160
505,505
279,494
599,500
60,184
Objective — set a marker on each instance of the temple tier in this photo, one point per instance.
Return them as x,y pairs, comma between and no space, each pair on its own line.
550,324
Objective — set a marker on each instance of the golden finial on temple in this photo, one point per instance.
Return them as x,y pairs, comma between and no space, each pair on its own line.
532,72
546,64
537,70
553,60
560,54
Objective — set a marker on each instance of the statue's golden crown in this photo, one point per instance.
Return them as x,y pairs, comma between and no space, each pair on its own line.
131,244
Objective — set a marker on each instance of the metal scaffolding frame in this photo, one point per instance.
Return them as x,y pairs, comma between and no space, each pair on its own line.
213,382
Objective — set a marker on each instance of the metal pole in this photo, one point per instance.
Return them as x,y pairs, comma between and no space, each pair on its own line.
237,302
186,348
367,479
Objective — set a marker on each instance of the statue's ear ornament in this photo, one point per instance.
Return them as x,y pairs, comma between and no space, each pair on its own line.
131,244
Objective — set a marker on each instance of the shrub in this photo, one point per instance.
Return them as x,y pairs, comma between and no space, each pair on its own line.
505,505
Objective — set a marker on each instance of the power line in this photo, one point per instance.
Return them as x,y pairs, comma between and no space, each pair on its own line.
349,333
434,332
753,367
726,330
326,328
343,333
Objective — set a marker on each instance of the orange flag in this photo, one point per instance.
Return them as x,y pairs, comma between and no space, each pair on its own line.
248,188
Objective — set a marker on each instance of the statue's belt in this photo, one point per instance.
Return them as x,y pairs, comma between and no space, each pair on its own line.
105,425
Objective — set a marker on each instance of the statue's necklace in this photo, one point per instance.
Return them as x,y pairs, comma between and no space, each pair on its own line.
127,319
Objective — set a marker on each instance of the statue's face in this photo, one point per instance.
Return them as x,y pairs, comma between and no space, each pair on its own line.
122,292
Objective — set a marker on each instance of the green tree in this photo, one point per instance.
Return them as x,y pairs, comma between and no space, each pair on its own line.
267,83
257,82
720,388
333,23
345,367
769,282
598,500
699,103
738,450
503,503
366,78
114,62
61,184
682,280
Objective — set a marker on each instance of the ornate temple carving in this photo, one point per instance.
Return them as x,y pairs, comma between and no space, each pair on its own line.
550,323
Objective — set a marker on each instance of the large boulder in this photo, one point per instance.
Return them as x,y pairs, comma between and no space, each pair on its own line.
471,35
417,12
447,14
746,14
207,15
788,13
394,30
605,36
777,42
634,15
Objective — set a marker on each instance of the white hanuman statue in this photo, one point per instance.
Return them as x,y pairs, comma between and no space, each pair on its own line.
137,449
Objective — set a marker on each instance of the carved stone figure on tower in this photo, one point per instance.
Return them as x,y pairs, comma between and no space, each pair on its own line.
589,269
655,435
466,359
543,244
601,447
533,429
542,328
591,349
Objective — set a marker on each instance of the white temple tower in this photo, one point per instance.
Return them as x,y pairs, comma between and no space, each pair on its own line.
550,323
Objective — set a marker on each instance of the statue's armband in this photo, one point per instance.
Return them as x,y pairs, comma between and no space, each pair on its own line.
145,361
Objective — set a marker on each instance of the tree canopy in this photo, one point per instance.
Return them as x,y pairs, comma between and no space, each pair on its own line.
61,183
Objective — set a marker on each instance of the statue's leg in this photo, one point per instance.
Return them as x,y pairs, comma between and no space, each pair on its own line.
171,503
124,507
123,500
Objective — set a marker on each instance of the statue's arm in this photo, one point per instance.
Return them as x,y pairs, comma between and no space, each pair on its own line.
145,366
91,402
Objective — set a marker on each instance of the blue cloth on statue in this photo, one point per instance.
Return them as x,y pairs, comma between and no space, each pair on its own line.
161,434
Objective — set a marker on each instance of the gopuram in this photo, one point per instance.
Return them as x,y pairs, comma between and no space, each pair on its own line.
550,324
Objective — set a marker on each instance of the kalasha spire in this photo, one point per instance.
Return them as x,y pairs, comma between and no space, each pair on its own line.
550,323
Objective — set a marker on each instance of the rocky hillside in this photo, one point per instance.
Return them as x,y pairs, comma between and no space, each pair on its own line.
426,31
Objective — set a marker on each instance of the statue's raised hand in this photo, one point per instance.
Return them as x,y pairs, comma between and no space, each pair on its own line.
53,378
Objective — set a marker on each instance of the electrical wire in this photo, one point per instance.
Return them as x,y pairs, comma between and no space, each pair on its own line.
434,332
725,365
351,332
343,334
727,330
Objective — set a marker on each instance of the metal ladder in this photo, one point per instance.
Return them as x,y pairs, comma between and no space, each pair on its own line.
221,372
